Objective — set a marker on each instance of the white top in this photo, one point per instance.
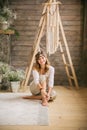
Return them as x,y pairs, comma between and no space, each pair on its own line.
49,76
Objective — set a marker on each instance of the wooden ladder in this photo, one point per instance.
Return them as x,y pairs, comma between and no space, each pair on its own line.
68,66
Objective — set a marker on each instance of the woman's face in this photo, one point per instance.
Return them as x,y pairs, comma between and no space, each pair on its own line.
42,60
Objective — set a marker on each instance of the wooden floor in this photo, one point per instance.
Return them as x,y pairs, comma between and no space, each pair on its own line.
67,112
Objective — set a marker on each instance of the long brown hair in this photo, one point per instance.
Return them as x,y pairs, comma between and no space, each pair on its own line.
37,65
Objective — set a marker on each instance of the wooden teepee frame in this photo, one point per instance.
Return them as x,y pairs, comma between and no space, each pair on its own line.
68,66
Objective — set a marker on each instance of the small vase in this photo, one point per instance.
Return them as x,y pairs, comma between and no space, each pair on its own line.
5,25
15,85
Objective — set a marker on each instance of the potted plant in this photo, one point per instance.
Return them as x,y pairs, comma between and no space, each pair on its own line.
7,16
15,77
4,83
4,68
10,74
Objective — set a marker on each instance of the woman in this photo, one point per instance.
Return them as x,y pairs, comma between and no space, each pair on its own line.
43,80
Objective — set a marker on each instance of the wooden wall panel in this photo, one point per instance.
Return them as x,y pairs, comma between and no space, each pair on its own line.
28,16
84,47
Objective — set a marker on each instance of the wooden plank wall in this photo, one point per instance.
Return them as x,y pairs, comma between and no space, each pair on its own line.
28,16
84,53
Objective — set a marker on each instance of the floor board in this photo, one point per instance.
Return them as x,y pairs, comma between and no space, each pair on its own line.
67,112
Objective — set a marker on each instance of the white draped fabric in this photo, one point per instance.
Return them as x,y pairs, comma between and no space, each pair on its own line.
52,36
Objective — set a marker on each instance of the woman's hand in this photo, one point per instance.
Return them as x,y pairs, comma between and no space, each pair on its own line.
48,96
43,92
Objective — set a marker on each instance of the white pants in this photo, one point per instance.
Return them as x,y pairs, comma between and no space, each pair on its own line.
36,91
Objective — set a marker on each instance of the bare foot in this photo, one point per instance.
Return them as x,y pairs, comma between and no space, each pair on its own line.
44,101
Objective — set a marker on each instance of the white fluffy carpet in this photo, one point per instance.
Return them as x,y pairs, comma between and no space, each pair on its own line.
14,110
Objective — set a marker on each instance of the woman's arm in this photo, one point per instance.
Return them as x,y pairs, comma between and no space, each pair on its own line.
50,81
36,78
51,77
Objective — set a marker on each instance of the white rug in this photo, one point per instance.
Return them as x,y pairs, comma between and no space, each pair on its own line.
17,111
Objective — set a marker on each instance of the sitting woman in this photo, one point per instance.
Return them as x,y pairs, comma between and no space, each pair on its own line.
43,80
